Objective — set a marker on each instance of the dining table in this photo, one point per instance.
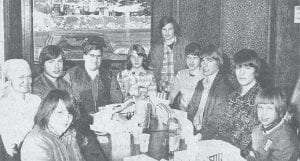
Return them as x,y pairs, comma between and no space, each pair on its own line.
119,125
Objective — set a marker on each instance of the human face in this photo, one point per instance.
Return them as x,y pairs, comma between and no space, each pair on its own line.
54,67
92,60
266,114
192,62
21,80
60,119
245,74
136,60
209,65
168,32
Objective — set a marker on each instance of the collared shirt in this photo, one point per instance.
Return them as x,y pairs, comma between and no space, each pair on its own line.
17,118
207,82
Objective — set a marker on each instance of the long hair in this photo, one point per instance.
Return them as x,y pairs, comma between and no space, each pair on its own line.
50,52
248,57
140,52
49,104
263,73
214,52
165,20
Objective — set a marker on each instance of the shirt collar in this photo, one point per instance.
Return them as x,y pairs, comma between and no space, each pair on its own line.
211,78
268,131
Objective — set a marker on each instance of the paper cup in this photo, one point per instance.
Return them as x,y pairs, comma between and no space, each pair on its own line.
144,142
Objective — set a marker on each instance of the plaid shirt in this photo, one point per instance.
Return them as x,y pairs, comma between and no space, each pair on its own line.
130,82
167,72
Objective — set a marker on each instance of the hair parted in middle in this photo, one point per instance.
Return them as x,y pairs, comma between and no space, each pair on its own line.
50,52
214,52
165,20
139,49
49,104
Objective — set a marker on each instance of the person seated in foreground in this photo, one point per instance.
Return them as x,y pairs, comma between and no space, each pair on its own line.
51,60
208,101
239,116
45,141
274,139
186,80
17,106
137,73
92,86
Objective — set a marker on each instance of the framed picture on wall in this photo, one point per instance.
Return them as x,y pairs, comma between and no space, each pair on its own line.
116,24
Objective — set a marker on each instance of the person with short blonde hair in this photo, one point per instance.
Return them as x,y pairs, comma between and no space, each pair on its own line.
18,106
211,93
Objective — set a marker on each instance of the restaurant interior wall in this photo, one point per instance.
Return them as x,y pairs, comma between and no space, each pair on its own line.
266,26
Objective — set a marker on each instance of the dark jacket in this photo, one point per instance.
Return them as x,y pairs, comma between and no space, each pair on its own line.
103,90
214,106
277,144
42,85
91,94
156,56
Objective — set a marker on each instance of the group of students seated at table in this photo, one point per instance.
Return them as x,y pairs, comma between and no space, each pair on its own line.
48,118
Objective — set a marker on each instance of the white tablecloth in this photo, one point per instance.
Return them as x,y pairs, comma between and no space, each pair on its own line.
210,150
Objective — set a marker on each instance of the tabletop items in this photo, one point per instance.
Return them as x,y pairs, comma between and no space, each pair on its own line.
158,131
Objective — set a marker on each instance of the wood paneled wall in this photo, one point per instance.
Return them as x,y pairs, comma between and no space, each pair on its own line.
287,44
12,29
199,20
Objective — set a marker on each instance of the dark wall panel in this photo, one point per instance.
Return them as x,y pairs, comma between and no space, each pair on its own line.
245,24
287,45
13,29
199,20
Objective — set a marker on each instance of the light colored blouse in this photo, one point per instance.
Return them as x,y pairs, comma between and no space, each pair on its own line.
16,118
130,82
